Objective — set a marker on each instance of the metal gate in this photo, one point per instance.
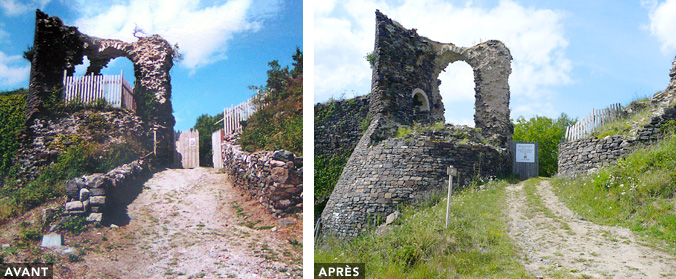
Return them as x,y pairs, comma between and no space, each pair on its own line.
187,154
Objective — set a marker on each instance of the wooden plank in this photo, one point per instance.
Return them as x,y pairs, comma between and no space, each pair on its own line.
216,144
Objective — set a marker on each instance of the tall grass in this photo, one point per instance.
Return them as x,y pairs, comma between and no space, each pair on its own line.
637,193
475,245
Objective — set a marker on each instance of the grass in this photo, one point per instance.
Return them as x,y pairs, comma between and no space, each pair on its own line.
637,193
623,126
404,131
475,245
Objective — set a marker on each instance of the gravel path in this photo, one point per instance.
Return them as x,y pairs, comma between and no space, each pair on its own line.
190,223
557,243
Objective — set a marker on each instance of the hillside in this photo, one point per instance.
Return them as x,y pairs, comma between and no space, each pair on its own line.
75,140
619,219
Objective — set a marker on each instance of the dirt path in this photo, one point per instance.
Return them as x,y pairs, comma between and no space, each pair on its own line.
557,243
191,223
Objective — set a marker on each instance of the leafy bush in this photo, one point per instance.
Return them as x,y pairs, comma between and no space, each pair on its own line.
206,125
75,224
278,122
548,133
12,113
327,171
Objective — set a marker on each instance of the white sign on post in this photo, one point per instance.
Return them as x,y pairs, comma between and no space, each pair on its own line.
525,153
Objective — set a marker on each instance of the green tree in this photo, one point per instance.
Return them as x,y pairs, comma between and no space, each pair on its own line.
548,133
206,125
278,123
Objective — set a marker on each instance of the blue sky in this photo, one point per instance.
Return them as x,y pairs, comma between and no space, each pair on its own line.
569,56
226,45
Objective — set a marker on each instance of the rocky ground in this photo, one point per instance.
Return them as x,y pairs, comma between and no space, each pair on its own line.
184,223
559,244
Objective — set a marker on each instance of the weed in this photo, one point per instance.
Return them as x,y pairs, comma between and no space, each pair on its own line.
73,258
295,242
75,224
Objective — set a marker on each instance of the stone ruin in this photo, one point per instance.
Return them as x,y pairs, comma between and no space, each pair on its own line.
384,171
58,47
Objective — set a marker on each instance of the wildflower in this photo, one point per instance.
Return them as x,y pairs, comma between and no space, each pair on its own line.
622,193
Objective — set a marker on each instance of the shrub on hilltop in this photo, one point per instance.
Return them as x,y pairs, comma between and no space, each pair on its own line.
278,122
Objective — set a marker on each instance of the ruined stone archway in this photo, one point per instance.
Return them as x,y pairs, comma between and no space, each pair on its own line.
405,60
58,47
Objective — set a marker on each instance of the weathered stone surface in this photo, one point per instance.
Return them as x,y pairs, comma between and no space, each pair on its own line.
72,190
283,155
94,217
390,218
97,192
58,47
74,206
286,222
97,200
84,194
276,184
51,241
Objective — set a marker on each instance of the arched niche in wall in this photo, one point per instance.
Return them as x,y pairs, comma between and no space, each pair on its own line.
420,100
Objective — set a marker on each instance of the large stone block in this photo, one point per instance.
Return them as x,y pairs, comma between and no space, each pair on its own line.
74,206
97,200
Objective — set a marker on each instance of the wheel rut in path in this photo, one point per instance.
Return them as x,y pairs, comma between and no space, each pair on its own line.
556,242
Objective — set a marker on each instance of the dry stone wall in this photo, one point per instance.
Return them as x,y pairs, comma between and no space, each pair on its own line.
586,155
275,178
92,195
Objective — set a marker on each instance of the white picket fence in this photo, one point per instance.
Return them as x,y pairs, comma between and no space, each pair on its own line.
114,89
233,115
594,120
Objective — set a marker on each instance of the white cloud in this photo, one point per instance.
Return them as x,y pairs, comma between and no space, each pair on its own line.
201,31
344,33
12,70
14,7
663,23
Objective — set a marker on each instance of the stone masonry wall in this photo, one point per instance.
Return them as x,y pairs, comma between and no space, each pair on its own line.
406,62
397,171
338,125
44,146
275,178
92,195
585,155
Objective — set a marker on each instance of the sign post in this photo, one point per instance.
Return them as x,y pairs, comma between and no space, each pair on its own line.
452,171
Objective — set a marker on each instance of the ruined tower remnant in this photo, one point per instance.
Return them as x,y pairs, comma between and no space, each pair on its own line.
58,47
384,172
405,86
